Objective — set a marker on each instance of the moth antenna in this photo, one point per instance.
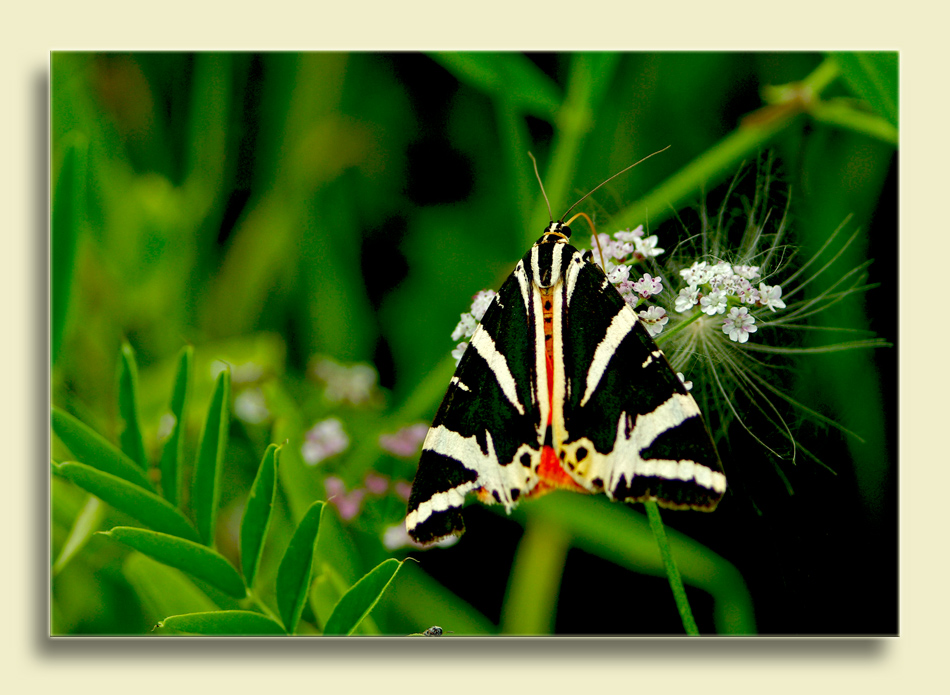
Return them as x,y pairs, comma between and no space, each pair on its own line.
538,176
603,182
603,263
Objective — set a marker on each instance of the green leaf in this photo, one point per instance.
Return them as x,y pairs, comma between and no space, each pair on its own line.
208,122
170,465
86,524
214,439
68,216
874,78
130,438
357,603
296,568
257,513
197,560
145,506
164,590
223,623
506,76
92,449
326,591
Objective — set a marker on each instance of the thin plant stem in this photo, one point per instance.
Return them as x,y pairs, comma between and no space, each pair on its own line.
531,600
666,335
672,572
715,163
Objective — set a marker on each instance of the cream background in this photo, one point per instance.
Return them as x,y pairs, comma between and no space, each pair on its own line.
917,658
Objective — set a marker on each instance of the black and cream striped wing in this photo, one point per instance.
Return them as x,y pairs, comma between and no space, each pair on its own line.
485,436
627,426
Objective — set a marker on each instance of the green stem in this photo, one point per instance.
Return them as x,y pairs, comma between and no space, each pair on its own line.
672,572
822,76
586,88
666,335
722,158
707,169
843,115
531,600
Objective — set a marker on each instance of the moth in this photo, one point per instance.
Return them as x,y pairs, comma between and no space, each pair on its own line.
561,387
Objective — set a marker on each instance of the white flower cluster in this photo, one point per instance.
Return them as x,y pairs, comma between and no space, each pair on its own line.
619,252
469,321
354,383
627,246
711,286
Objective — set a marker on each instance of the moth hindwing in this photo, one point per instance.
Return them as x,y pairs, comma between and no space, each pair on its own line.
561,387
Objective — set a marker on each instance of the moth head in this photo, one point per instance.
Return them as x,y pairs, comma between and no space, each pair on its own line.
555,233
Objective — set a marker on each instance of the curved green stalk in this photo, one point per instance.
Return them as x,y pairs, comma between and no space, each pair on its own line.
531,600
672,572
789,102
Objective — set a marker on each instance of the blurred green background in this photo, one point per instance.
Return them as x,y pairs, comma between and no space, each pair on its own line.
273,208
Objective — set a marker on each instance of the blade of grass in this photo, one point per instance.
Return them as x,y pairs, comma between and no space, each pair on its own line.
214,440
130,436
296,568
68,216
170,466
508,76
257,513
86,524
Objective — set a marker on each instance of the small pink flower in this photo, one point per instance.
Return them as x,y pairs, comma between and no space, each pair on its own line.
348,504
403,488
375,483
648,285
406,442
334,486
